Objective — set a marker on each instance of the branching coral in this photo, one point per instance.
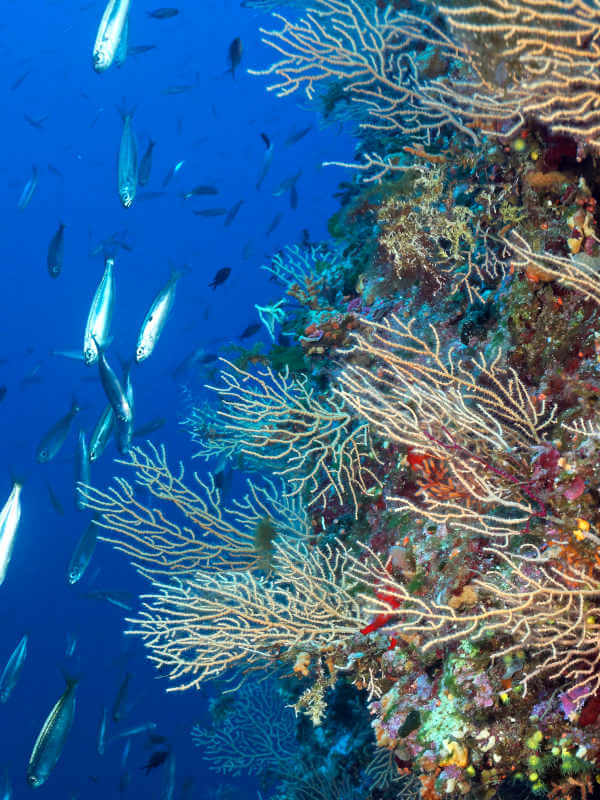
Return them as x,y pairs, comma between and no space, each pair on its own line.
209,535
200,627
255,735
476,418
553,611
312,442
579,272
423,235
372,55
541,59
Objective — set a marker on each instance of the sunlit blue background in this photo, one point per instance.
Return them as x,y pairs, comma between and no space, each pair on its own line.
216,128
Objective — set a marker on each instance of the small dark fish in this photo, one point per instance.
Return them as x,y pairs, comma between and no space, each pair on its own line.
250,330
19,80
210,212
275,222
187,364
267,158
54,439
173,171
146,164
55,171
234,55
35,123
156,759
178,88
295,137
150,427
32,376
3,391
201,189
232,213
294,197
82,555
12,670
286,185
163,13
220,277
56,251
208,358
54,501
138,49
117,710
119,599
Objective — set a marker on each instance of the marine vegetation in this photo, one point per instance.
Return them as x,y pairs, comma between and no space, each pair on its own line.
420,536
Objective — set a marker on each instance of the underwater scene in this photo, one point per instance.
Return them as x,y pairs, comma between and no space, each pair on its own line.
300,400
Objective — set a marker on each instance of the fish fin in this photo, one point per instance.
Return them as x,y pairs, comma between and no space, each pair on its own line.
70,679
124,111
17,478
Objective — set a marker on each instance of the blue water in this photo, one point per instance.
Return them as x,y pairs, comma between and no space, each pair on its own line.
216,128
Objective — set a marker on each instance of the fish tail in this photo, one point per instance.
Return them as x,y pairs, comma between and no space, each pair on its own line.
124,111
70,679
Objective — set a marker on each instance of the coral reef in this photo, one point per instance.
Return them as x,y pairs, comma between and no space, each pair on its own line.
430,557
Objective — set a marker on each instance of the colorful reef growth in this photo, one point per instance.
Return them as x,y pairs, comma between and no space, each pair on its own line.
420,538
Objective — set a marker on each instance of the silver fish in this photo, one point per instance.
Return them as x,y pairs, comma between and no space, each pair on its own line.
82,469
12,670
74,355
117,397
119,599
52,737
82,555
54,439
127,167
122,49
287,184
9,523
124,429
143,728
109,33
267,158
56,250
102,433
101,741
155,319
99,319
28,190
118,705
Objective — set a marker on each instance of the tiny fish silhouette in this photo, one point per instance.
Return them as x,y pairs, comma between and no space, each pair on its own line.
163,13
220,277
156,759
234,55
